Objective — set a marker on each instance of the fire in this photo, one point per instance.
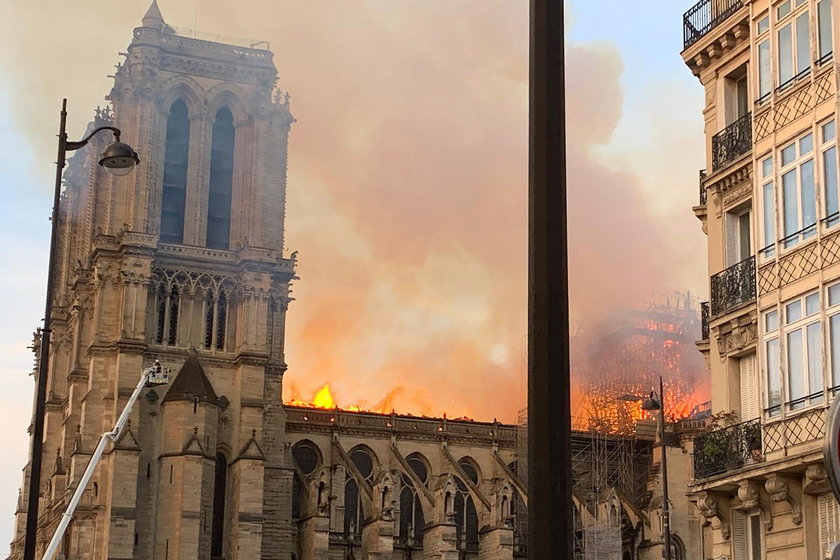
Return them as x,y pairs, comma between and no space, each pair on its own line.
323,398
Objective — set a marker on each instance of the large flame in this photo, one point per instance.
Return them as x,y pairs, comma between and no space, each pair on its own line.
323,398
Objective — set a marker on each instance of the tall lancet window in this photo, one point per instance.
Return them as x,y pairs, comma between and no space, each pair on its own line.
219,491
221,181
175,174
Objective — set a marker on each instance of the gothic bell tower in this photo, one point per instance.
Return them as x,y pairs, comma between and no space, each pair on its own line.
182,261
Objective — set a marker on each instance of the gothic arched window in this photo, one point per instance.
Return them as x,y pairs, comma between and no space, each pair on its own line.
167,315
466,520
215,320
221,180
175,174
219,491
353,510
412,521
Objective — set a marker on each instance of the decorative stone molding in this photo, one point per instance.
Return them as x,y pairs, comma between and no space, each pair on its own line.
779,490
736,335
816,480
748,494
710,506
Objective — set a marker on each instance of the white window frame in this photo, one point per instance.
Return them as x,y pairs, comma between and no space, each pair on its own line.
764,73
799,12
771,334
826,164
804,230
832,310
768,215
824,54
800,328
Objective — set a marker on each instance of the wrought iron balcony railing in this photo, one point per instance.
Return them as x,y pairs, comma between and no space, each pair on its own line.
702,187
732,142
704,320
705,16
733,287
727,449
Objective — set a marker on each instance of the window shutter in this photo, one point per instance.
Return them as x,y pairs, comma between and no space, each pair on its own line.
750,407
828,511
739,535
731,224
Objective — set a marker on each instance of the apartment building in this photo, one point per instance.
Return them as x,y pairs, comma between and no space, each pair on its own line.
768,203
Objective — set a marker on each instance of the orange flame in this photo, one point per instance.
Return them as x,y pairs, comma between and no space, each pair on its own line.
323,398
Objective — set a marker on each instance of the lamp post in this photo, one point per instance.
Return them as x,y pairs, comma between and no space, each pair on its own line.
119,159
651,403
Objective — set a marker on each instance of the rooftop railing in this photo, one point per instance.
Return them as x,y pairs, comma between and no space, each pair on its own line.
705,16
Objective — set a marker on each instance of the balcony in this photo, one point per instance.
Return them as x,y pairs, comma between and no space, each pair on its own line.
733,287
732,142
705,16
702,181
704,320
727,449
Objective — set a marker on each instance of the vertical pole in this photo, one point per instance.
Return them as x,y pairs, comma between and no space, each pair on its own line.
666,506
550,517
37,443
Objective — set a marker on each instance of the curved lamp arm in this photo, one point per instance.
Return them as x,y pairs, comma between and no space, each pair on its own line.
83,142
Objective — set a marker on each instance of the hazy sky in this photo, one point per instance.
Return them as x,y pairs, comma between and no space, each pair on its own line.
407,182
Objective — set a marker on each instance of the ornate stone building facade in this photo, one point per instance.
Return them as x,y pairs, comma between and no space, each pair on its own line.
769,205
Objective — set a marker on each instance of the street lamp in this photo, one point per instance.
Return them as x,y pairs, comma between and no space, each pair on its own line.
651,403
118,159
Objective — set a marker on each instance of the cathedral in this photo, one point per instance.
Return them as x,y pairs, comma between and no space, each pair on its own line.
183,261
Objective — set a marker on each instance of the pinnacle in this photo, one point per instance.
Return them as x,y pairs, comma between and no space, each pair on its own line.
153,17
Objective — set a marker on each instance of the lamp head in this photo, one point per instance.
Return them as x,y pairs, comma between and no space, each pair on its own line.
651,403
119,159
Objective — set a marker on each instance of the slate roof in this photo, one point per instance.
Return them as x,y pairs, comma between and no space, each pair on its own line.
191,382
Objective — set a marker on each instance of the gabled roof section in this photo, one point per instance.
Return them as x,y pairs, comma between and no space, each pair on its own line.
191,383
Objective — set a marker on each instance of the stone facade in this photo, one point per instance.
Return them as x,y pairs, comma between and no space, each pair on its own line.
768,205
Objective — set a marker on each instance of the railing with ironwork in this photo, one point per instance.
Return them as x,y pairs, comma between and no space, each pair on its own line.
733,287
727,449
705,16
732,142
702,187
704,320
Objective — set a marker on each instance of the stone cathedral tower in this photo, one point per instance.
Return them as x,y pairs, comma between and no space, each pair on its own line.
181,261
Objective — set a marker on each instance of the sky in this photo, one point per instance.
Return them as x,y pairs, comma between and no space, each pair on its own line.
407,183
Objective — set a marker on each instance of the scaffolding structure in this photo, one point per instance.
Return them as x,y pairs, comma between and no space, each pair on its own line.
609,472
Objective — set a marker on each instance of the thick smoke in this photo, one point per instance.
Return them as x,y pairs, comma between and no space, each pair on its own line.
407,183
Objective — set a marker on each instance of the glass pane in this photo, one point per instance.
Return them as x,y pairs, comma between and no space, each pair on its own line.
774,376
788,154
744,245
755,537
763,24
769,218
771,320
833,295
828,131
824,17
812,304
790,204
806,144
766,167
803,47
830,181
809,199
834,341
765,78
793,311
785,54
795,366
783,9
815,377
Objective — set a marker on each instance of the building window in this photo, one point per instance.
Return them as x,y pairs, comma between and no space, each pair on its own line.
833,318
824,31
828,512
793,40
768,209
799,203
175,174
221,180
746,535
803,350
773,364
466,520
219,491
828,160
750,401
738,246
353,510
215,321
168,307
737,95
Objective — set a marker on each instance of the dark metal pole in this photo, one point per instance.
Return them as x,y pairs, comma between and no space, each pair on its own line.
44,360
550,517
666,506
